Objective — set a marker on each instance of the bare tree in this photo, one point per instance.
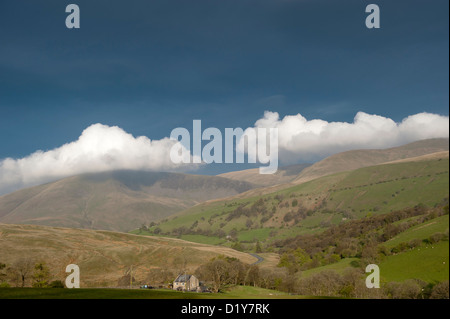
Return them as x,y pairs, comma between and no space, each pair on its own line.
216,271
252,275
160,276
236,272
2,273
24,268
440,291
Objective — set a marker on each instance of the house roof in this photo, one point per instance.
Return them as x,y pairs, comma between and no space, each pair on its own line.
183,278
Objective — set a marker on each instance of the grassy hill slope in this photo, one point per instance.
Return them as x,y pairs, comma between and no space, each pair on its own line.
119,200
352,160
428,263
314,206
238,292
282,176
103,256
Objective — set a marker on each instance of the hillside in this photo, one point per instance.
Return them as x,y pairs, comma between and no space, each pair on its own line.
412,255
351,160
103,256
119,200
315,205
282,176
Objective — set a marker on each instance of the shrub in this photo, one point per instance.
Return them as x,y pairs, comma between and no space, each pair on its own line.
40,275
56,284
414,243
325,283
409,289
437,237
440,291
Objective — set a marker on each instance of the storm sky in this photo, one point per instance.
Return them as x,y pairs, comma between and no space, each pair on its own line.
147,67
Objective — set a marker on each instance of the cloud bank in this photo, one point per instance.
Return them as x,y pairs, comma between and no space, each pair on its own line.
102,148
300,139
99,148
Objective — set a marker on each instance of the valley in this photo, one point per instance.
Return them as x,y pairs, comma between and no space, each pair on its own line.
310,230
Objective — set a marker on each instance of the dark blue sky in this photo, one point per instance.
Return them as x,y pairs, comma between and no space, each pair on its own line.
151,66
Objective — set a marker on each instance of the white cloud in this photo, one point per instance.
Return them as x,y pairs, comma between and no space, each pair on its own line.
99,148
309,140
102,148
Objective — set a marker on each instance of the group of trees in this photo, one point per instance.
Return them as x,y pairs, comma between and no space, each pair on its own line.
351,284
356,238
179,231
222,272
258,208
161,277
297,215
25,273
417,289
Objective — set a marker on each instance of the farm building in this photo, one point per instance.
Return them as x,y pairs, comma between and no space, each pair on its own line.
186,282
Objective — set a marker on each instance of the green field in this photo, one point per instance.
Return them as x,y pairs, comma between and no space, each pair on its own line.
239,292
421,231
330,200
427,262
254,234
339,267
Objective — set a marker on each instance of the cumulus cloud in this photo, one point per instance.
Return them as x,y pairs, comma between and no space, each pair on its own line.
300,139
103,148
99,148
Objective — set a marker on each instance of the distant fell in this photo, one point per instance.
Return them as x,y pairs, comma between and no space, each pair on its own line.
282,176
352,160
117,200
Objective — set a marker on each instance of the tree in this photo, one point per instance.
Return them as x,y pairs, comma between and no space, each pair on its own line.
143,228
409,289
23,268
350,279
237,246
293,260
266,279
222,271
40,276
440,291
159,276
369,254
288,283
233,233
127,280
216,271
236,271
2,275
252,276
325,283
258,248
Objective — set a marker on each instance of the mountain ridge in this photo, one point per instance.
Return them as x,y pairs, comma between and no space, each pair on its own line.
124,200
354,159
117,200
